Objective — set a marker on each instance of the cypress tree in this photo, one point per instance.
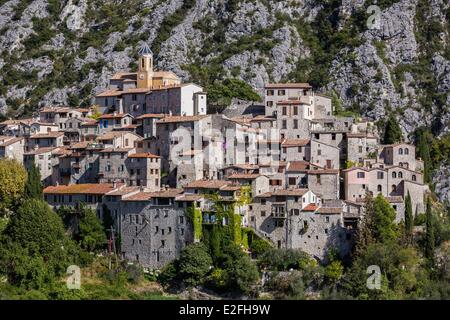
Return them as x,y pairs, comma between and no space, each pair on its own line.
423,151
392,131
429,236
408,216
33,186
364,235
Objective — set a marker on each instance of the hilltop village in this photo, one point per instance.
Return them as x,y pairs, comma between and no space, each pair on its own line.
150,157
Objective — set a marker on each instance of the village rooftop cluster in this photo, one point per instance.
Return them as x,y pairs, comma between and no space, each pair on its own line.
148,153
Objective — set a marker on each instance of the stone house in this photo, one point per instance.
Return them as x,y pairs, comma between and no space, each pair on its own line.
325,183
12,148
276,92
154,227
108,122
147,124
324,155
294,150
118,139
45,140
91,195
361,146
45,159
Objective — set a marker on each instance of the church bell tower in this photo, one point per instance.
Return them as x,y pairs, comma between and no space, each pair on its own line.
145,69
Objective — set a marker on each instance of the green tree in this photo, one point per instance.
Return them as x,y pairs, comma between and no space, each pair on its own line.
194,264
384,228
12,184
392,131
429,235
35,237
91,233
423,143
241,272
409,219
33,186
364,231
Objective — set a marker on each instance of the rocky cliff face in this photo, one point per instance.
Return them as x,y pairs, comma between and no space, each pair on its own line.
63,52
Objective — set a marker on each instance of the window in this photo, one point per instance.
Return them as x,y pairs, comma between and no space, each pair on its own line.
400,151
319,152
299,149
134,97
360,149
380,175
361,175
284,111
394,174
284,124
406,151
327,219
413,177
333,136
295,124
295,110
400,175
263,213
263,201
163,243
379,188
269,92
394,188
281,92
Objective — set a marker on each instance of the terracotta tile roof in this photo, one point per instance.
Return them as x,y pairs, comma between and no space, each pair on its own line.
231,188
173,119
136,90
295,143
124,75
261,118
360,135
145,196
80,145
245,166
11,141
40,151
51,134
395,199
290,102
143,155
311,207
140,196
91,122
151,115
123,191
207,184
56,109
298,166
87,188
190,197
111,135
115,150
287,85
329,210
284,192
324,171
109,93
114,116
250,176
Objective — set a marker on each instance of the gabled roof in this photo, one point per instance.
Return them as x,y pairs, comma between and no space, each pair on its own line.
40,151
310,207
150,115
294,166
249,176
11,141
295,143
50,134
86,188
287,86
143,155
208,184
284,192
115,116
174,119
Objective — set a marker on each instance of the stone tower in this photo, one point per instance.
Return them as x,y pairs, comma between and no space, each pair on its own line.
145,69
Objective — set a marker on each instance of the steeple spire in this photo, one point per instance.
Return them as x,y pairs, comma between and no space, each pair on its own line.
144,50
